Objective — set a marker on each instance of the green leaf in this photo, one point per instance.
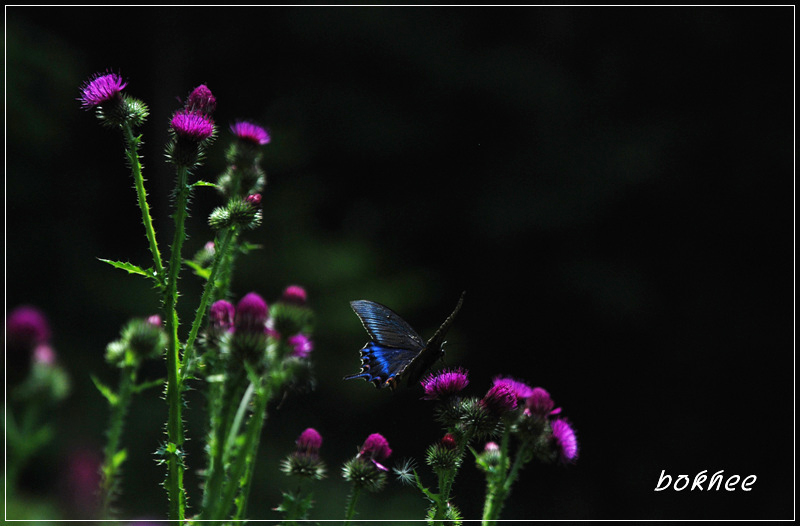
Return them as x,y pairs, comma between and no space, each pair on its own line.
118,458
131,268
147,385
106,391
199,270
205,183
246,247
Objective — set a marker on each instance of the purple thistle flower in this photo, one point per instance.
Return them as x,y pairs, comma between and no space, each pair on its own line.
309,441
520,389
27,327
155,319
249,132
192,125
301,345
220,315
499,400
565,440
539,404
294,294
251,314
201,99
444,383
101,88
253,199
376,448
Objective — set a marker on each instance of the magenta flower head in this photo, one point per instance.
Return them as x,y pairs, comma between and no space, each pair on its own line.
27,327
294,294
565,441
444,384
251,314
220,316
253,199
499,400
520,389
376,448
100,89
540,405
301,345
201,99
193,126
309,441
249,132
305,461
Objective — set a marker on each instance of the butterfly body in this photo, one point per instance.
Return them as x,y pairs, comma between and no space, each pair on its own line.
395,352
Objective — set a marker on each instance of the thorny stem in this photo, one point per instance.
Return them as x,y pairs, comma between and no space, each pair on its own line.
252,434
446,482
221,256
499,486
175,467
351,504
136,170
112,462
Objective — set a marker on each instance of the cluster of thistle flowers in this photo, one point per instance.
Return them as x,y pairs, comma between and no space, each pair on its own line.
529,411
256,334
263,349
510,408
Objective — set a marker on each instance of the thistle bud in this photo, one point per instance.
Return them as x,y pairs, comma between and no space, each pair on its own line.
305,461
249,341
239,212
201,99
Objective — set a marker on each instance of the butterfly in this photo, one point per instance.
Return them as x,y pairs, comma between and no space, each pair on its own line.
395,351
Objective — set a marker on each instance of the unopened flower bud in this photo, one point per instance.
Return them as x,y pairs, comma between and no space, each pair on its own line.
201,99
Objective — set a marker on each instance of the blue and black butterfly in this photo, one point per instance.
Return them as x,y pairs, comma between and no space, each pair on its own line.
395,351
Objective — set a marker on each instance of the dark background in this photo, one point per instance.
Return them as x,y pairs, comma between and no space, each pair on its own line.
613,187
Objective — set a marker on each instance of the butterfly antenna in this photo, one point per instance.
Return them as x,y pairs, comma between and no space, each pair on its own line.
438,338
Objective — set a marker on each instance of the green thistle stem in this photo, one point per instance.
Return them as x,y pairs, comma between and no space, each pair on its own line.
222,255
446,481
351,504
245,453
131,151
175,467
499,484
222,418
113,455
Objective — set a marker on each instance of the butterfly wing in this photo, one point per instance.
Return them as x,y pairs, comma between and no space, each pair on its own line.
386,327
433,349
395,344
383,366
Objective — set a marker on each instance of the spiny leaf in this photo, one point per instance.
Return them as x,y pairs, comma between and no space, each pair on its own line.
131,268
